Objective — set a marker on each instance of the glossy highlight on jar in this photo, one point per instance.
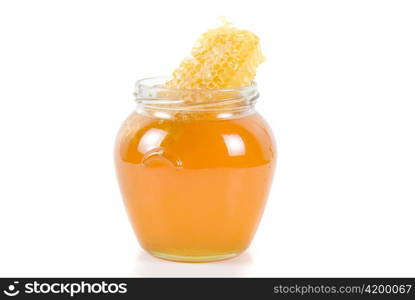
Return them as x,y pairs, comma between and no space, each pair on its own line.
195,168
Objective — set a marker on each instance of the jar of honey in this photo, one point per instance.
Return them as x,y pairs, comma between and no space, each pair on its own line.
194,168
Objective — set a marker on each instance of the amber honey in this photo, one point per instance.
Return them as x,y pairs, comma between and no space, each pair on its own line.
195,189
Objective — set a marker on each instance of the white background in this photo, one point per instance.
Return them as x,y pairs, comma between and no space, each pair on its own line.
338,89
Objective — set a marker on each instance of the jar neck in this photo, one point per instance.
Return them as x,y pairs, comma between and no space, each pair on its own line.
224,113
156,101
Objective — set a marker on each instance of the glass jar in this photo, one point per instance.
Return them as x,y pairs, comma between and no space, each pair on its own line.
194,168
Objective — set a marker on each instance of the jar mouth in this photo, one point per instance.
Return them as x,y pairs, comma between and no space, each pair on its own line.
150,92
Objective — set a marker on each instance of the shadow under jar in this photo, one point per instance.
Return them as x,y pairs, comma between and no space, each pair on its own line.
194,168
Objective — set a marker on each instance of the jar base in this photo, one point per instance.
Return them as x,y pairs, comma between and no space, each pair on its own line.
193,259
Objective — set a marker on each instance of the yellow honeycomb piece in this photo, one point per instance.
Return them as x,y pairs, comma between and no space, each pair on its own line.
224,57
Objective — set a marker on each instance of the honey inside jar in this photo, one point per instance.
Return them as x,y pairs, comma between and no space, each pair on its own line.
195,189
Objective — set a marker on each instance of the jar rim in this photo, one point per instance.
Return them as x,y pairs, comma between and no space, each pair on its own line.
150,88
156,82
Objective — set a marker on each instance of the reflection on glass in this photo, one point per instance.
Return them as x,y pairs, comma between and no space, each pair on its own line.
234,144
151,140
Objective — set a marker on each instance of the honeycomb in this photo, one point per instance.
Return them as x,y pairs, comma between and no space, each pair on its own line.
224,57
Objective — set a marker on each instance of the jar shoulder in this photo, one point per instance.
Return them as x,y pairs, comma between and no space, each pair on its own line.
246,141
